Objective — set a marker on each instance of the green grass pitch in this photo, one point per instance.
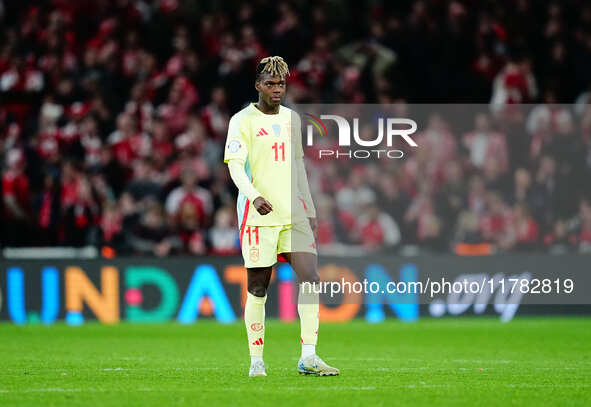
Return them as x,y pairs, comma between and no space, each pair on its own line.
455,362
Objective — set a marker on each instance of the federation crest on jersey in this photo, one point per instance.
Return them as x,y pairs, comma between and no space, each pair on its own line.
234,146
276,129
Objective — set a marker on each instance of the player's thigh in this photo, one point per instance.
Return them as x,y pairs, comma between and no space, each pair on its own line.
298,244
259,246
305,265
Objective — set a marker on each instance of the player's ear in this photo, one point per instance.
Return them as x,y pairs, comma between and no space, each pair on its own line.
257,85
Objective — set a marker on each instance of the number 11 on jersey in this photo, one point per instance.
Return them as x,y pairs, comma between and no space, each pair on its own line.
276,147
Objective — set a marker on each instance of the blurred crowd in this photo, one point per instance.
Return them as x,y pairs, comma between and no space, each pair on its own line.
114,113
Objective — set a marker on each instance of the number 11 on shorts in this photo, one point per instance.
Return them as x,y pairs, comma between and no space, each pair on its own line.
253,232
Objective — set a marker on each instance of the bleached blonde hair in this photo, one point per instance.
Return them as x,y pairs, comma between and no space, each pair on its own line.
274,66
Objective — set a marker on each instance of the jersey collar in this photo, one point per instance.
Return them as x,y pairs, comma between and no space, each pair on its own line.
253,107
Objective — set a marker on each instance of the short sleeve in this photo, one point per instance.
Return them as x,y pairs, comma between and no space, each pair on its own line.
237,140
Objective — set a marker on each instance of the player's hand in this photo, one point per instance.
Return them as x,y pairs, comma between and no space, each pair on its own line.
262,205
314,226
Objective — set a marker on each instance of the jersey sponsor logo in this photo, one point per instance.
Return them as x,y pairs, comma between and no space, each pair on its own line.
262,132
256,326
234,146
258,342
254,254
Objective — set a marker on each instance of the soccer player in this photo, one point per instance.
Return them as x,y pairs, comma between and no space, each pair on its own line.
266,161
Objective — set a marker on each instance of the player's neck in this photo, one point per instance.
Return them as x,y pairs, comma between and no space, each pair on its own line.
265,108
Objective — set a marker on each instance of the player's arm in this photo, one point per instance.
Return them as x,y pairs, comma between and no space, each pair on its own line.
304,191
235,154
302,177
238,175
304,188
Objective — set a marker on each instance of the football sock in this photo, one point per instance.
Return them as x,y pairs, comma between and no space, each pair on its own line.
308,307
308,350
254,319
254,359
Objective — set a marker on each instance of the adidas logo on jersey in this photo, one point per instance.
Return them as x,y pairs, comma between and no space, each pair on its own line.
258,341
262,132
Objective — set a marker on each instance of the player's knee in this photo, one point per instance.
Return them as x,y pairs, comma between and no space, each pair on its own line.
257,290
311,277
